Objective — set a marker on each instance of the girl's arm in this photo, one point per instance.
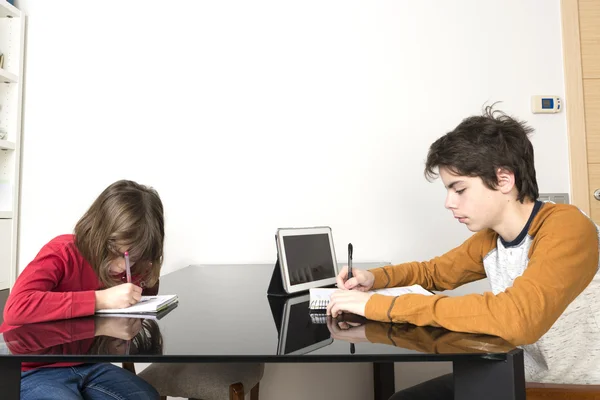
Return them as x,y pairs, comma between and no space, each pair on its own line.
33,298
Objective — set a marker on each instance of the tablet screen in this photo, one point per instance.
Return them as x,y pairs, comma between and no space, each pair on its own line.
308,258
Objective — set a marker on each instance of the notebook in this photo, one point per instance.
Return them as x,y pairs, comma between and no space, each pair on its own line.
319,297
154,316
147,305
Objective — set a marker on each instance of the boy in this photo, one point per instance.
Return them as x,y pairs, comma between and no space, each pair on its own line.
541,259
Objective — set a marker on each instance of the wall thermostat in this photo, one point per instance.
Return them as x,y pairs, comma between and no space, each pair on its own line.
545,104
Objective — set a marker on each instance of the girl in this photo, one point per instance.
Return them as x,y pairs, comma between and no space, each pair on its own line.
75,275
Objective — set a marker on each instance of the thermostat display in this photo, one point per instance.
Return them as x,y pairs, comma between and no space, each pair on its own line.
545,104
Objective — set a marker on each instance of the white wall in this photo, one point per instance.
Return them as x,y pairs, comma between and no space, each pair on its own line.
249,116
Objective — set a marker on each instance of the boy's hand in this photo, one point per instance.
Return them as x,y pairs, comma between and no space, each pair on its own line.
361,280
350,332
351,301
121,296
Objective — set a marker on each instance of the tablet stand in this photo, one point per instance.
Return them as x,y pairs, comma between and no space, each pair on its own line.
276,285
277,296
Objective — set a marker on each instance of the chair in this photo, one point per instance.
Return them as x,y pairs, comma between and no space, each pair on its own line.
551,391
203,381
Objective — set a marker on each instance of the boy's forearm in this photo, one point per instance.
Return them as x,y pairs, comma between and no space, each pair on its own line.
402,275
460,265
432,275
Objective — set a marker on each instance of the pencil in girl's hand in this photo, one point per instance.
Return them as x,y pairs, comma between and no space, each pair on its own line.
128,267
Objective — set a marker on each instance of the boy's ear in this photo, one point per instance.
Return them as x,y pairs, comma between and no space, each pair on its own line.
506,180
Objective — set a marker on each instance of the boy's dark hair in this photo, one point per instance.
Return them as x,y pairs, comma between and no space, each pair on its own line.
480,145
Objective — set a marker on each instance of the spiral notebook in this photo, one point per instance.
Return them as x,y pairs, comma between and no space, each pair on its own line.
143,315
319,297
147,305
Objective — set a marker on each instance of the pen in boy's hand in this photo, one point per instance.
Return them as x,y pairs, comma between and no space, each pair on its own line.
350,249
128,267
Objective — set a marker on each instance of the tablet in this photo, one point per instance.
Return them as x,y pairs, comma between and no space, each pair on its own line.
306,258
299,335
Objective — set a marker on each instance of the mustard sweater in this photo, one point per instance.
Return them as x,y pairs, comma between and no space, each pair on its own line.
545,291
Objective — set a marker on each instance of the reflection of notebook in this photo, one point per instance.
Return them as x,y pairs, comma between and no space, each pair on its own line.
319,297
319,318
147,305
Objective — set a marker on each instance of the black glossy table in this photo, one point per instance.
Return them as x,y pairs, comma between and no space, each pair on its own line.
224,315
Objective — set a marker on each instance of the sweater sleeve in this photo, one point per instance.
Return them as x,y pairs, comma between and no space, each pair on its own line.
32,298
459,266
563,261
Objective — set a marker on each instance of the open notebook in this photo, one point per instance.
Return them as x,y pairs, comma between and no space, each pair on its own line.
319,297
154,316
147,305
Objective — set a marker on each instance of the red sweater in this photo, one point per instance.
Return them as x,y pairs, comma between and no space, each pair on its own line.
58,284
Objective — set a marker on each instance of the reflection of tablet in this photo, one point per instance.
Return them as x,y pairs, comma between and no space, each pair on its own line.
298,334
306,258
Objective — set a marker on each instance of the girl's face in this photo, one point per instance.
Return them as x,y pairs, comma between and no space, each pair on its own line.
117,265
117,268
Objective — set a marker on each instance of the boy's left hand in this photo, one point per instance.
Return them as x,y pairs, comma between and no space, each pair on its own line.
351,301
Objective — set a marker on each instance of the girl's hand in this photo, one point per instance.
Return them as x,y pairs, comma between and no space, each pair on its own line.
117,327
121,296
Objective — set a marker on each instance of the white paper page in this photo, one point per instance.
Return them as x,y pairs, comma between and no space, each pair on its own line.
147,304
324,293
320,293
397,291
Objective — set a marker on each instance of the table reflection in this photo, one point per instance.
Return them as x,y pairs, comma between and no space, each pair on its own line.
425,339
85,336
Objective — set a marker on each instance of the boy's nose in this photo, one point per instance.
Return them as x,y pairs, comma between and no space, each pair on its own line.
449,203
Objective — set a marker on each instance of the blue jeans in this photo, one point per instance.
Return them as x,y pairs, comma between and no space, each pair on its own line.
87,381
